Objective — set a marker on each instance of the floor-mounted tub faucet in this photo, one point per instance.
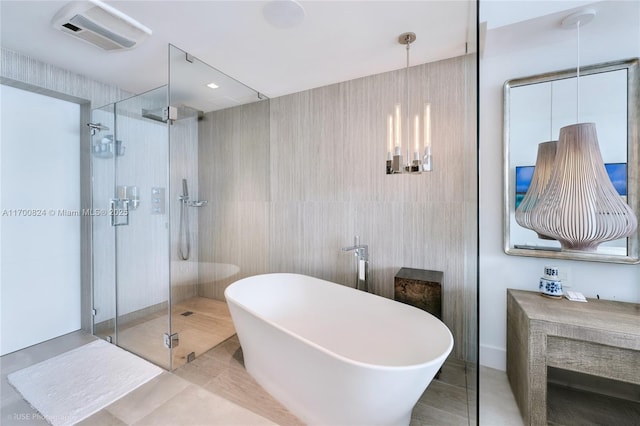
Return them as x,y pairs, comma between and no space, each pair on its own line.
361,252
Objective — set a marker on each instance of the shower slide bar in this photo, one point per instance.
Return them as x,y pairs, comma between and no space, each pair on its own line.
184,238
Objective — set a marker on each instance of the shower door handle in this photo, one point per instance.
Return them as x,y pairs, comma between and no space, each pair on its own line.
114,212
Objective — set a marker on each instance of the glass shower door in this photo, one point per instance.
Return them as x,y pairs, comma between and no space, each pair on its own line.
214,120
103,235
141,225
132,187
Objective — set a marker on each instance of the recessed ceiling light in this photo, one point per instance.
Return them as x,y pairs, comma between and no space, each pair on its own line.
212,86
283,13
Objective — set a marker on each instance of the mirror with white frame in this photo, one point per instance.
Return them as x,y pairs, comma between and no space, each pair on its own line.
535,108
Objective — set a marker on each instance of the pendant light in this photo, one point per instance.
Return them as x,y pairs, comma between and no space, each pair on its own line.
417,136
580,206
541,174
539,181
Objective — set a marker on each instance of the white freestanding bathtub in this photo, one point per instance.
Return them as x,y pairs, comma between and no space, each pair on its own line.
334,355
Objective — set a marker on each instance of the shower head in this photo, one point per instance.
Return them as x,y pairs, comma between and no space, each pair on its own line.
96,127
162,115
185,190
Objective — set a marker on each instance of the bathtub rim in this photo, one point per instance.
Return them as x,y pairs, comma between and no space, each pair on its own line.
440,359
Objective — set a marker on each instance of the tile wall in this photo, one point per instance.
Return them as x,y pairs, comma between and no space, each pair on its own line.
293,180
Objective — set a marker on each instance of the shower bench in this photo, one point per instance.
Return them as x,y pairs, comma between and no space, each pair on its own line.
600,338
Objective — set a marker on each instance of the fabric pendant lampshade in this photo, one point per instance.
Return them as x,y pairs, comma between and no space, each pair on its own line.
539,180
580,207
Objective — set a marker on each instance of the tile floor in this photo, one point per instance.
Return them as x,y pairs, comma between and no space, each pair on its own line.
216,390
221,371
165,400
497,403
207,324
446,400
14,410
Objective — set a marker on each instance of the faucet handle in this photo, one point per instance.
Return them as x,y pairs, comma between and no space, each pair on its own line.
363,252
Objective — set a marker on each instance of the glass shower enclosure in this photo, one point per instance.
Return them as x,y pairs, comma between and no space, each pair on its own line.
146,215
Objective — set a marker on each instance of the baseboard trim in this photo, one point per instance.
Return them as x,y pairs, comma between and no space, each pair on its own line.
493,357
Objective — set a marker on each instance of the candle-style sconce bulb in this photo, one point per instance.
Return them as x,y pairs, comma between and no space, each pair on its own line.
427,165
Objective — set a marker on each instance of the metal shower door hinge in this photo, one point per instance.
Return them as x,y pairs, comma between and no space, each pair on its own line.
171,340
94,312
169,113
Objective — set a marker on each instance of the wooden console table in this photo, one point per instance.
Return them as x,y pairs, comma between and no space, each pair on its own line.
601,338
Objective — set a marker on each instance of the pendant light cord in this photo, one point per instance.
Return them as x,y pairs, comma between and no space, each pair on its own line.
551,113
578,74
407,132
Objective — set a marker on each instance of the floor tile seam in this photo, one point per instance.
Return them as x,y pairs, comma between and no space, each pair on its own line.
186,389
197,366
205,315
161,406
442,383
440,410
226,365
425,400
164,400
466,387
450,383
458,413
222,393
199,311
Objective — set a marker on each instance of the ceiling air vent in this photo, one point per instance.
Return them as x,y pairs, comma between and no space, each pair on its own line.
100,24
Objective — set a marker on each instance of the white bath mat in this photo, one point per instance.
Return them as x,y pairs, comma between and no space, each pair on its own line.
78,383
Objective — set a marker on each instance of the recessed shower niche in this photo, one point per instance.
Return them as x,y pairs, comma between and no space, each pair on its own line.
147,215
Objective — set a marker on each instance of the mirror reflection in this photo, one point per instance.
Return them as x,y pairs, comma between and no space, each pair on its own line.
536,108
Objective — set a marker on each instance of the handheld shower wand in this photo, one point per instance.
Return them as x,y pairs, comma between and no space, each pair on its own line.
184,247
185,189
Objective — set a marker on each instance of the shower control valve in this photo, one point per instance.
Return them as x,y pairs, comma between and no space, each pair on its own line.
157,200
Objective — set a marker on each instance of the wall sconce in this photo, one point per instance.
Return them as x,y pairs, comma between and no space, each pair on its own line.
579,206
417,136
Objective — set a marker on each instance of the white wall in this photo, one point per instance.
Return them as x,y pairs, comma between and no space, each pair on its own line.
527,48
23,71
40,280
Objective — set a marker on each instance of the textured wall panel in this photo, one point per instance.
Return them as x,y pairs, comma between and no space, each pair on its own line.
338,134
471,214
44,77
233,169
326,168
183,156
